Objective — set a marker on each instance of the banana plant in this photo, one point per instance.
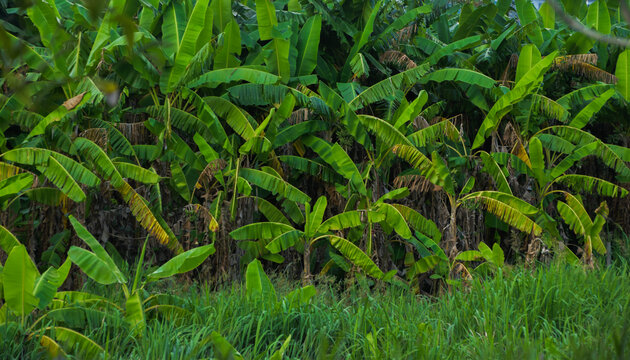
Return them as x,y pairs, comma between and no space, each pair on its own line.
494,258
526,85
276,237
454,271
99,266
390,216
551,155
64,172
24,287
25,290
503,204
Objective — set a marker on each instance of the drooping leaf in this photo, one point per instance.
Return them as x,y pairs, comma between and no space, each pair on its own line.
137,173
385,88
361,41
76,343
511,210
7,240
58,175
589,184
464,76
470,255
284,241
395,219
15,184
583,94
527,84
234,117
98,252
419,223
384,131
423,265
41,157
293,132
586,114
338,160
495,171
263,230
215,78
46,287
270,211
341,221
183,262
53,349
356,256
138,205
449,49
93,266
275,185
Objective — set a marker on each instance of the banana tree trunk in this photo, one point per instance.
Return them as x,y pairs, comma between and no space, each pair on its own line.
588,253
451,241
306,274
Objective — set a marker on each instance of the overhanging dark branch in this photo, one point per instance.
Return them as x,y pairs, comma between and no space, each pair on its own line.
579,27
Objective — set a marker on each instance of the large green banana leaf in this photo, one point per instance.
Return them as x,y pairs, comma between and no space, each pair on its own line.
315,217
586,114
76,343
183,262
274,184
18,279
215,78
257,283
307,46
134,314
188,46
105,268
266,17
338,160
527,84
622,72
356,256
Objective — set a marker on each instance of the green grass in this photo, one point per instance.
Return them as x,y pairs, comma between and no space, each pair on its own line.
552,313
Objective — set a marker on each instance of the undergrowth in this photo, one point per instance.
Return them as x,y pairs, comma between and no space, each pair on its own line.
551,313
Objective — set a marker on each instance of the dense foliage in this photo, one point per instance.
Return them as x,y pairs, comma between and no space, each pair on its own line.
416,144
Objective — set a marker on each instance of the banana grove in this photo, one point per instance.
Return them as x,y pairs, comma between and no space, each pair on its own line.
412,143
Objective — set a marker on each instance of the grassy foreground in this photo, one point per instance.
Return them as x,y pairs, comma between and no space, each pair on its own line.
557,312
